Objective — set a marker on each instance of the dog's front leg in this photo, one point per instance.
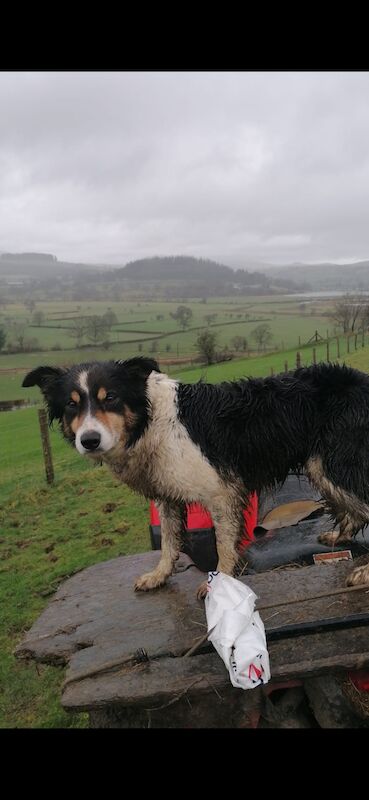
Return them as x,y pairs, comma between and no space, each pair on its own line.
171,518
228,521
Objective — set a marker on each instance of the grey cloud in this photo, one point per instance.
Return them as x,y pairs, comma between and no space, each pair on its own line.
234,166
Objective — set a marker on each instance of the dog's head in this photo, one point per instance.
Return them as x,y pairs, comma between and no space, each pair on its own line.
100,406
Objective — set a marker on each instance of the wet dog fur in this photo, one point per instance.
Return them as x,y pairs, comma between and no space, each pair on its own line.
180,443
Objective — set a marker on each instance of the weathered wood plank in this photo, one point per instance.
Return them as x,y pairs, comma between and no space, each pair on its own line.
96,618
99,610
162,679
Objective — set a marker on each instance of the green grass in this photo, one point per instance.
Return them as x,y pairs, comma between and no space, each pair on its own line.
283,314
47,534
260,366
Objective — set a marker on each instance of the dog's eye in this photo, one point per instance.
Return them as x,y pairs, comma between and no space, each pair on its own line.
71,404
110,397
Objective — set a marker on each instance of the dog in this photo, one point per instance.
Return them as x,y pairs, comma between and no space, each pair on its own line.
181,443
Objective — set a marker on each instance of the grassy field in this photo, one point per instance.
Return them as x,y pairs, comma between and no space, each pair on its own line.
144,325
49,533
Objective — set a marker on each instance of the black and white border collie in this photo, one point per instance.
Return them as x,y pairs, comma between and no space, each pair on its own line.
181,443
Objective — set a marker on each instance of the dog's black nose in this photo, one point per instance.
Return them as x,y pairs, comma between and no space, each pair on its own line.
90,440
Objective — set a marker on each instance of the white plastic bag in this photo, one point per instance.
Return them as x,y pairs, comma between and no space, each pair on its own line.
237,632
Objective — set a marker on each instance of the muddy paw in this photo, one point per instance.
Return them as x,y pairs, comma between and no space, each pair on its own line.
359,575
151,580
329,538
202,590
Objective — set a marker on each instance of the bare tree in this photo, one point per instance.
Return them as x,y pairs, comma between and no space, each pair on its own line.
262,335
78,330
206,345
19,334
38,318
183,314
238,343
364,317
210,318
351,313
96,329
110,319
2,338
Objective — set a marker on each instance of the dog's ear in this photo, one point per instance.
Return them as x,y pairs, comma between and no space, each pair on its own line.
44,377
47,379
139,366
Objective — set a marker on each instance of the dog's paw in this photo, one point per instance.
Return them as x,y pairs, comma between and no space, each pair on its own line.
151,580
202,590
358,575
329,538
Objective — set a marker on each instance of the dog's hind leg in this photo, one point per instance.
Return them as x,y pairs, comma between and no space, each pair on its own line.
358,575
171,518
350,513
347,530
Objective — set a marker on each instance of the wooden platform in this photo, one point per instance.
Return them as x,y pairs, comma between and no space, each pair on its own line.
134,643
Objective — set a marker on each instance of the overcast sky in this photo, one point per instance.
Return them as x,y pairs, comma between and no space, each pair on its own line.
235,166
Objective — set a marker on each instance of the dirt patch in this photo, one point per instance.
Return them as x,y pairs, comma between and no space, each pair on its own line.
122,529
6,554
108,508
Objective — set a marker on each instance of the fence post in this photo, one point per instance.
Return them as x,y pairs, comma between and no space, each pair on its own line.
46,449
328,351
338,347
348,343
286,366
355,341
272,371
363,339
298,359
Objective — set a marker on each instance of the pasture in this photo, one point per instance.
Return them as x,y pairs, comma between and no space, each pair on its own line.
49,533
147,328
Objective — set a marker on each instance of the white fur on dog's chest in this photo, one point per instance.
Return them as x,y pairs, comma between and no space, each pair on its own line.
165,460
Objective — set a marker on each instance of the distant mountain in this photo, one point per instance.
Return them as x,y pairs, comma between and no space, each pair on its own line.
200,273
38,265
326,275
28,258
180,267
165,276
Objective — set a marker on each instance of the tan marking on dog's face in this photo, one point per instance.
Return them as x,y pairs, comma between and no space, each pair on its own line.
101,395
75,397
70,428
115,423
76,423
